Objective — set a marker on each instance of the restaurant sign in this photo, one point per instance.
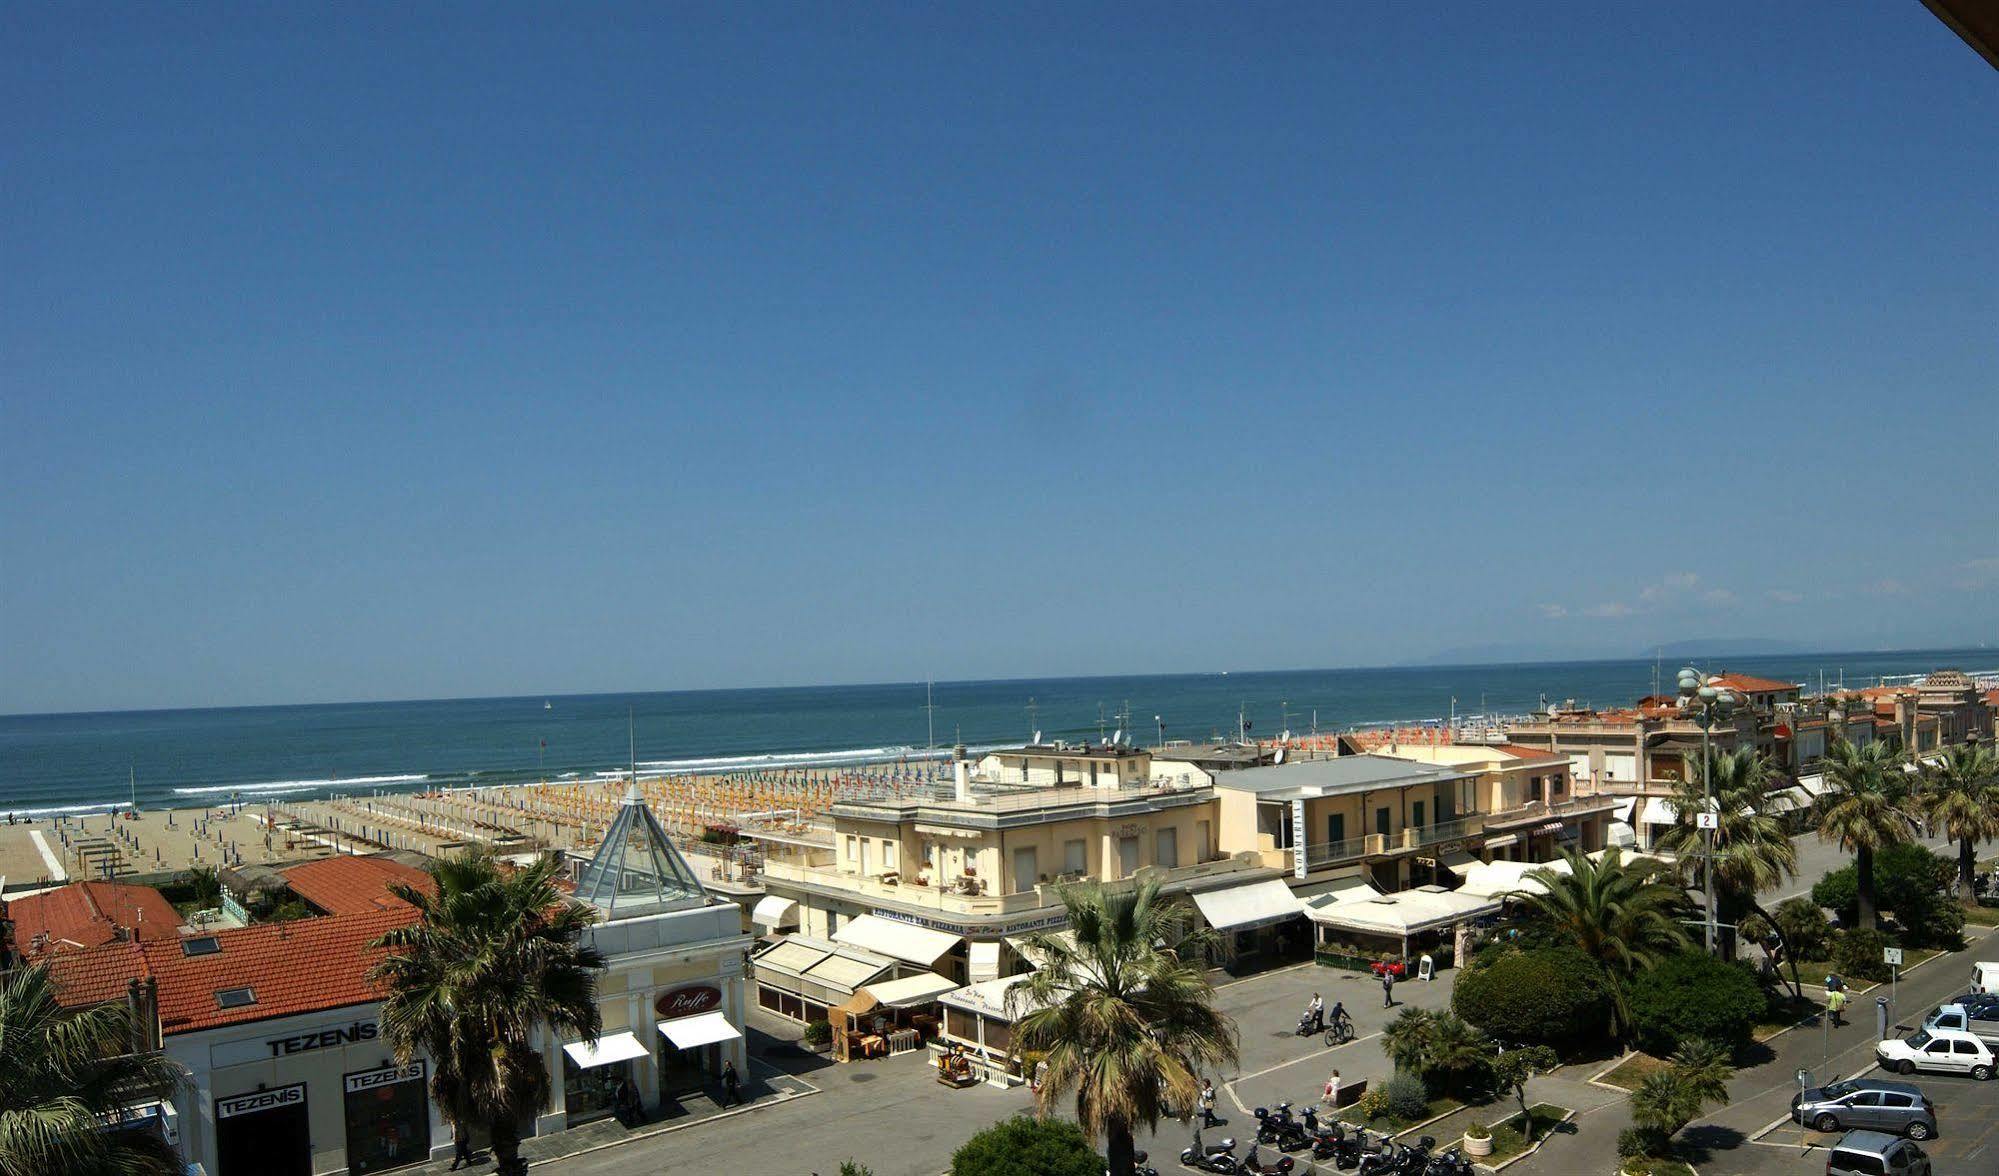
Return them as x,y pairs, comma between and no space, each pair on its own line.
686,1002
994,927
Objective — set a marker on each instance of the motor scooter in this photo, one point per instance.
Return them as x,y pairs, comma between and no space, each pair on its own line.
1218,1157
1449,1162
1252,1165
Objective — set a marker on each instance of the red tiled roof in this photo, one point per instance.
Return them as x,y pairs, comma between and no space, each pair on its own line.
93,975
1529,753
1750,684
86,914
291,968
345,885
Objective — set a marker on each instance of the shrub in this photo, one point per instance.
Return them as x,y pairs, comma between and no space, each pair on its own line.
1478,1130
1026,1146
1408,1098
850,1168
1857,954
1372,1104
818,1031
1805,928
1634,1142
1691,995
1546,994
1931,919
1904,876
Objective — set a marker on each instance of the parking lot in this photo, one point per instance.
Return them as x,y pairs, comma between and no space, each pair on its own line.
1967,1141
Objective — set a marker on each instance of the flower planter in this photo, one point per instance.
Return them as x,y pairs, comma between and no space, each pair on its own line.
1481,1146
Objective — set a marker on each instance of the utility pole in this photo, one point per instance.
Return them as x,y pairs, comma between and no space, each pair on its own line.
930,712
1032,711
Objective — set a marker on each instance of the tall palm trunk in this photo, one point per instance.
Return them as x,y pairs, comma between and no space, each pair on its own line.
1117,1133
1967,869
506,1148
1863,868
1784,944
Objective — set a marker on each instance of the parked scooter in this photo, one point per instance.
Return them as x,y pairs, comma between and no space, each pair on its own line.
1216,1157
1388,1161
1278,1129
1139,1167
1417,1161
1450,1162
1253,1165
1339,1143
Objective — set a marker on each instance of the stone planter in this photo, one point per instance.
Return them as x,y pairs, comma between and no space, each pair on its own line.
1481,1146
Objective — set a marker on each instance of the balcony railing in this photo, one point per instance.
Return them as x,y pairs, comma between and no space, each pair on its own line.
951,900
1332,853
1541,810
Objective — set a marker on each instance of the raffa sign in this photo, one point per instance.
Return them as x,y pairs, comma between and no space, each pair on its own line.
686,1002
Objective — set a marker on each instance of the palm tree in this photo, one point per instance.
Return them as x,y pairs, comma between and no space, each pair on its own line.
1961,797
493,956
1669,1099
1126,1021
1864,808
1620,914
65,1068
1753,851
1706,1066
1458,1051
1410,1040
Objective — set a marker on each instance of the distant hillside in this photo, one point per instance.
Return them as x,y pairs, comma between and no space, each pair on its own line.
1723,647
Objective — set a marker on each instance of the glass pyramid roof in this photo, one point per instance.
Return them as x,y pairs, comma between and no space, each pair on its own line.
636,870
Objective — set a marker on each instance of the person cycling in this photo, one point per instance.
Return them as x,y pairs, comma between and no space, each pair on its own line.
1342,1022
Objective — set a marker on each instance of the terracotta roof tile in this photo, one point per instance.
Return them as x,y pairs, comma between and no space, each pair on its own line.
297,967
86,914
93,975
1750,684
345,884
1530,753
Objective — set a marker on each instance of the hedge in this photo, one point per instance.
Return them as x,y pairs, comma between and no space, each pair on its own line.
1543,995
1026,1146
1692,994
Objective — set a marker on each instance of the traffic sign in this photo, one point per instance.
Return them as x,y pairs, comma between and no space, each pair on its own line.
1891,955
1707,820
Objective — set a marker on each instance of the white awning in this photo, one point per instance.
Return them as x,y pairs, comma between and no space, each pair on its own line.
1814,784
699,1029
1493,879
985,962
1658,811
1240,908
1405,912
1787,800
911,991
1623,810
612,1047
1619,835
1502,841
903,941
1352,889
1456,860
775,911
1034,959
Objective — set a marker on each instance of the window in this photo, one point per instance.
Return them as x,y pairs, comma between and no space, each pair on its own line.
235,998
1204,835
853,849
1416,814
1075,857
1534,789
1940,1047
1846,1161
200,945
1025,871
1127,856
864,855
1866,1098
1336,827
1166,847
1964,1047
1897,1100
1381,821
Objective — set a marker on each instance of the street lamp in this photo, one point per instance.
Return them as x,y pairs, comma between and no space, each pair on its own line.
1711,703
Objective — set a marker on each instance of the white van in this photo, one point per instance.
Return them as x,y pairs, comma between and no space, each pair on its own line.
1985,976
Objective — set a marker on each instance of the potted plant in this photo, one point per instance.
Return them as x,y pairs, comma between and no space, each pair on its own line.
818,1034
1478,1140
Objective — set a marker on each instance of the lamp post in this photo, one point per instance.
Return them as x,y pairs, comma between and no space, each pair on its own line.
1711,703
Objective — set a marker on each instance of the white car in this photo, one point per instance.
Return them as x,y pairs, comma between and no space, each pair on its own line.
1943,1050
1985,976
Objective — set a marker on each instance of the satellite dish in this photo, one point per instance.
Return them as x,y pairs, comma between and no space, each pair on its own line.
1037,738
1279,758
1117,737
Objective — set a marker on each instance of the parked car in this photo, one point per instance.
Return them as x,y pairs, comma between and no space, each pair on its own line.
1896,1107
1980,1019
1870,1153
1946,1051
1985,976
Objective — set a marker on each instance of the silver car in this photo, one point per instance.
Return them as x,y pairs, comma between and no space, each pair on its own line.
1896,1107
1870,1153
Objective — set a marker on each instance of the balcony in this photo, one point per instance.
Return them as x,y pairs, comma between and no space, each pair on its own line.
1332,853
988,808
1538,810
950,900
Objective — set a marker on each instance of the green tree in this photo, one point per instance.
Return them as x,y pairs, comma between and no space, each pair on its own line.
1619,913
1126,1022
493,956
1806,932
1752,849
1669,1099
1961,796
1026,1146
1438,1048
1410,1038
1864,809
63,1068
1692,995
1544,995
1511,1072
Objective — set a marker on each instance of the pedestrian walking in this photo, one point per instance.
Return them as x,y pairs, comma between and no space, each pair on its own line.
461,1147
1835,1003
1387,989
732,1092
1208,1102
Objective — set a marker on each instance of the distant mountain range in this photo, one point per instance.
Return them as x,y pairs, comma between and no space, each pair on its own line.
1724,647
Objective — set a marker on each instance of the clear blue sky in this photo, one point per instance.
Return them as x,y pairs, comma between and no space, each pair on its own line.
364,351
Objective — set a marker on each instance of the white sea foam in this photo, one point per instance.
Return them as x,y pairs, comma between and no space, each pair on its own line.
300,785
67,809
788,759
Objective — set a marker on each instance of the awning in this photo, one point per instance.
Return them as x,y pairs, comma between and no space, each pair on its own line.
1623,810
902,941
774,911
1787,800
1405,912
1814,784
1352,889
612,1047
1495,879
985,962
1240,908
911,991
1620,835
1658,811
1035,959
1457,860
699,1029
1502,841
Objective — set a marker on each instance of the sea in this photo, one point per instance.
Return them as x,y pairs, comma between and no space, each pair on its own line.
68,763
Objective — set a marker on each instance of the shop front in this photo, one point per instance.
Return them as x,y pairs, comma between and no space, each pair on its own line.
1263,921
693,1031
594,1074
264,1131
388,1117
